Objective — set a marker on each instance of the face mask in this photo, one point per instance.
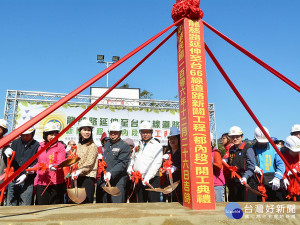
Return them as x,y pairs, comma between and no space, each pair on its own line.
278,146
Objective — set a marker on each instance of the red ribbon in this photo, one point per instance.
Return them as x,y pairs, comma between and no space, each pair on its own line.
261,187
101,166
167,164
136,176
187,8
233,170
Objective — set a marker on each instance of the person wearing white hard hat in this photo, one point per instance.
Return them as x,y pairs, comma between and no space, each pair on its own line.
19,191
269,166
295,131
54,177
173,151
87,165
116,156
292,156
147,161
241,157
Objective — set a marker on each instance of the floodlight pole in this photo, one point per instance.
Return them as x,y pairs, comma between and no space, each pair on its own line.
107,65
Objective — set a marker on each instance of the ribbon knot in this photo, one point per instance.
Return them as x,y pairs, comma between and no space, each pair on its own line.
167,164
136,176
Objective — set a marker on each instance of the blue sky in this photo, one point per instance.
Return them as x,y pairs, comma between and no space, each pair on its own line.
51,46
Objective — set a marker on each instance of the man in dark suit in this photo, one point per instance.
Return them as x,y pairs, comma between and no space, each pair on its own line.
117,156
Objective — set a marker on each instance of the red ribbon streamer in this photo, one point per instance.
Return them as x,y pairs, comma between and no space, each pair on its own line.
253,57
239,96
5,183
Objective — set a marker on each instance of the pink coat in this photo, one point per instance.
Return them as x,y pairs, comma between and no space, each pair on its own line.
54,155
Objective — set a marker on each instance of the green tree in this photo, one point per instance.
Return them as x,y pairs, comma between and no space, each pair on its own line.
146,94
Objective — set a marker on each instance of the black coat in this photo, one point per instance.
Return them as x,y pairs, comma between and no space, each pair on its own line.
116,156
23,154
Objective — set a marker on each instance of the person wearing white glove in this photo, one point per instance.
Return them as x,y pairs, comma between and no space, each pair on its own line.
290,172
54,177
243,180
166,156
76,174
275,183
286,183
258,170
172,168
107,176
145,182
8,152
270,166
116,155
24,147
51,167
87,166
21,179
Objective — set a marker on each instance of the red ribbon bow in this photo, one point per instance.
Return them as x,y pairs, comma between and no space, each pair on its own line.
136,176
187,8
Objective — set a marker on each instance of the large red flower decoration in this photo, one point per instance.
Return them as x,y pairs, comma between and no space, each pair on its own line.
187,8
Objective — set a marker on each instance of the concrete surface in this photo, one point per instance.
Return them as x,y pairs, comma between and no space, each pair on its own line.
140,213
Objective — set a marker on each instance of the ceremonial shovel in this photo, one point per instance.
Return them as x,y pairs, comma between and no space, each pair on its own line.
166,190
115,191
76,194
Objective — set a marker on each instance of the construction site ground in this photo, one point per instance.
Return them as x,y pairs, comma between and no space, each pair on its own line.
144,213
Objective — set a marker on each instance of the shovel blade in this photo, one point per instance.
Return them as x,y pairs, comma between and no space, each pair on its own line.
115,191
77,195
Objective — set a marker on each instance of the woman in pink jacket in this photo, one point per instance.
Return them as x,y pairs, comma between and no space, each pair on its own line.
54,177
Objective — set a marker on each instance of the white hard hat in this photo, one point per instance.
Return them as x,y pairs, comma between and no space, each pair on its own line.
295,128
292,143
3,123
30,130
174,131
259,136
235,131
115,126
145,125
85,123
51,126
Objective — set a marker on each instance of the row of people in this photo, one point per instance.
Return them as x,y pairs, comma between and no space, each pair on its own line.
260,167
48,181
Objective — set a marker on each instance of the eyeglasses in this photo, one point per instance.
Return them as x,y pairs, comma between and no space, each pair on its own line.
72,144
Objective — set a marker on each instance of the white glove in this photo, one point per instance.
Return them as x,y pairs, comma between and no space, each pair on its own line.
8,152
100,156
76,174
21,179
166,156
52,168
275,183
290,173
107,176
68,148
243,180
224,160
145,182
130,170
173,169
258,170
31,171
286,183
